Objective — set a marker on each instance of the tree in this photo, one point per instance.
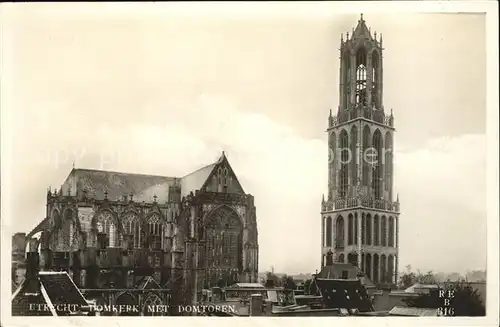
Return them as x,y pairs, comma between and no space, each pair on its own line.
410,278
451,299
288,283
310,287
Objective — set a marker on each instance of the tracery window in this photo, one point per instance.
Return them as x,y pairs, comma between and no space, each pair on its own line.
155,231
132,226
223,179
361,77
344,165
223,234
377,167
106,230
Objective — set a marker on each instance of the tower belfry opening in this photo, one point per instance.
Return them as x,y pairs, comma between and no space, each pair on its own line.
360,204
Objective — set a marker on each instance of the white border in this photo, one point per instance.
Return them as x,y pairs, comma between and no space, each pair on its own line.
246,8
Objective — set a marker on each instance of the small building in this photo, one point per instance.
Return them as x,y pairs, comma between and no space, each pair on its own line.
48,293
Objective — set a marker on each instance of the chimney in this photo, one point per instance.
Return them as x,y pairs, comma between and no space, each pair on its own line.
33,266
256,305
269,308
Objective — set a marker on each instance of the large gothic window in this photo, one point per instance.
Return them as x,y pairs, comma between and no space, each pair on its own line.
107,231
333,160
384,231
154,229
376,227
391,232
377,165
388,161
344,164
369,229
361,77
132,229
223,230
366,164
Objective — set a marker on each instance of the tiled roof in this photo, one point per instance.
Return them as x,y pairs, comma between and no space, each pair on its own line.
142,187
196,179
117,185
61,289
334,271
51,288
344,294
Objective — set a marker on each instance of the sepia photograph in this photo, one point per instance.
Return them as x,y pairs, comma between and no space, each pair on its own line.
268,159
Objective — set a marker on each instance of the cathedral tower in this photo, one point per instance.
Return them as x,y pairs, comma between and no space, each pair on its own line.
360,216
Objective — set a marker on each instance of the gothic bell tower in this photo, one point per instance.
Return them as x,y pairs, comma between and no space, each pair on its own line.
360,217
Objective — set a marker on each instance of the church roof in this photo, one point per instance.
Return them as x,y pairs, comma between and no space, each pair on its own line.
143,187
117,184
195,180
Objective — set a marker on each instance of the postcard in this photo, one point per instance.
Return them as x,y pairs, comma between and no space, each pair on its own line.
178,161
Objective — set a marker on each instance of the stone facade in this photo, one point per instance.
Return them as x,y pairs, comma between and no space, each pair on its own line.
112,230
360,217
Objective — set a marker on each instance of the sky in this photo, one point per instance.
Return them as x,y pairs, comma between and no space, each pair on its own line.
164,92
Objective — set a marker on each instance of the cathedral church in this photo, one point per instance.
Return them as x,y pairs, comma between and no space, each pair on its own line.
360,216
127,232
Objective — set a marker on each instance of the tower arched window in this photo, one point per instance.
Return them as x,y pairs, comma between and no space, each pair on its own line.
339,232
347,81
391,232
388,161
364,158
377,165
350,230
329,231
361,77
333,159
354,155
375,80
383,233
344,164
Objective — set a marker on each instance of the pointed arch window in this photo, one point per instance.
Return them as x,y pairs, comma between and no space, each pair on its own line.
329,231
132,228
375,80
223,179
347,81
154,232
344,165
106,231
361,77
377,166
